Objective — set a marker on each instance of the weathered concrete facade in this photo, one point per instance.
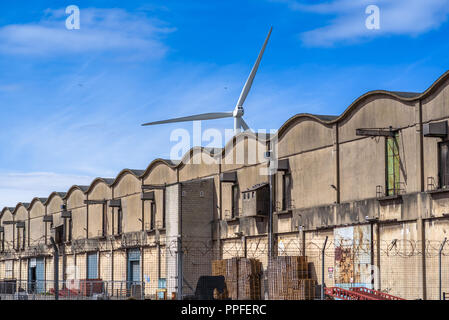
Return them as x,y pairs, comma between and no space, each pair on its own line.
337,183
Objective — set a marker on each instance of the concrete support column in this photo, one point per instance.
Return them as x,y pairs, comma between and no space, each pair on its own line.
422,243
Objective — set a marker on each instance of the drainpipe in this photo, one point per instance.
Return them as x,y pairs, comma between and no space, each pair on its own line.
245,251
439,266
179,245
270,213
55,267
322,268
180,274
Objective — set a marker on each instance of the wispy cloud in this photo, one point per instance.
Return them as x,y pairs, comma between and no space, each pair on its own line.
23,187
111,30
346,19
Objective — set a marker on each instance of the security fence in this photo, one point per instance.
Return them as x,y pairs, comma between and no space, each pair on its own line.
71,290
236,269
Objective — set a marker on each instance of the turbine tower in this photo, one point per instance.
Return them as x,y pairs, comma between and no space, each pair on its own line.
238,112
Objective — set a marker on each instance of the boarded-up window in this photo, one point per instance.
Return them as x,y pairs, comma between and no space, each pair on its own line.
393,165
21,240
153,215
105,220
443,163
8,269
286,198
235,200
119,221
69,235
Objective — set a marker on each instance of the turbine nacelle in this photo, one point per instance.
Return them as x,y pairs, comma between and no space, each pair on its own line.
238,112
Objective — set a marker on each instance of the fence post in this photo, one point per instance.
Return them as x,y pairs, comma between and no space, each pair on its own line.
180,269
55,267
439,266
322,268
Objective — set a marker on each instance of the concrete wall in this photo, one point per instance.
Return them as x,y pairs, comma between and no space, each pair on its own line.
128,189
98,212
36,225
75,204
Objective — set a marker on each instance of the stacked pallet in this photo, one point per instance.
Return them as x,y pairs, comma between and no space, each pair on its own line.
242,278
250,271
288,279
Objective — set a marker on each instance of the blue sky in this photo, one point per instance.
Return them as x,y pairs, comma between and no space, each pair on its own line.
72,101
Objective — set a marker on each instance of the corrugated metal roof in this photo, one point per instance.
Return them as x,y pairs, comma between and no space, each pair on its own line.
108,180
406,95
137,173
83,188
325,117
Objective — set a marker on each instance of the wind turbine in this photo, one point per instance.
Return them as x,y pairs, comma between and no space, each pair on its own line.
238,112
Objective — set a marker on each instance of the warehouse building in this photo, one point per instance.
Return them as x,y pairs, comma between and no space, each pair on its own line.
372,180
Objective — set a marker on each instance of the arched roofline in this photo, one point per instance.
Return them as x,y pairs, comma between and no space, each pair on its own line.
133,172
172,164
4,210
400,96
36,199
83,189
20,204
106,181
55,194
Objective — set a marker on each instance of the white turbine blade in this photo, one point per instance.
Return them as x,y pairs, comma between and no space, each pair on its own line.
204,116
244,125
250,79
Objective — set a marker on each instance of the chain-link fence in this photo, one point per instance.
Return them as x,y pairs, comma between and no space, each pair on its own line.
234,269
71,290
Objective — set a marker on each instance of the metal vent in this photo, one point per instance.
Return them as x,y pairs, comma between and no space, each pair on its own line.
115,203
66,214
228,177
436,129
147,195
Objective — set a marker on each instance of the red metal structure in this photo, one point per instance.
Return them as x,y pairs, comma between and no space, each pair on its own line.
359,293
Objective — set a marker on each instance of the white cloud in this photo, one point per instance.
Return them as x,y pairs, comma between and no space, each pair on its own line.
102,30
23,187
347,19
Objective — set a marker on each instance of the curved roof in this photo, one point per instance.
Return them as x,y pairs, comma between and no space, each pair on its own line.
169,163
23,204
107,181
136,173
83,189
53,194
6,209
36,199
398,95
